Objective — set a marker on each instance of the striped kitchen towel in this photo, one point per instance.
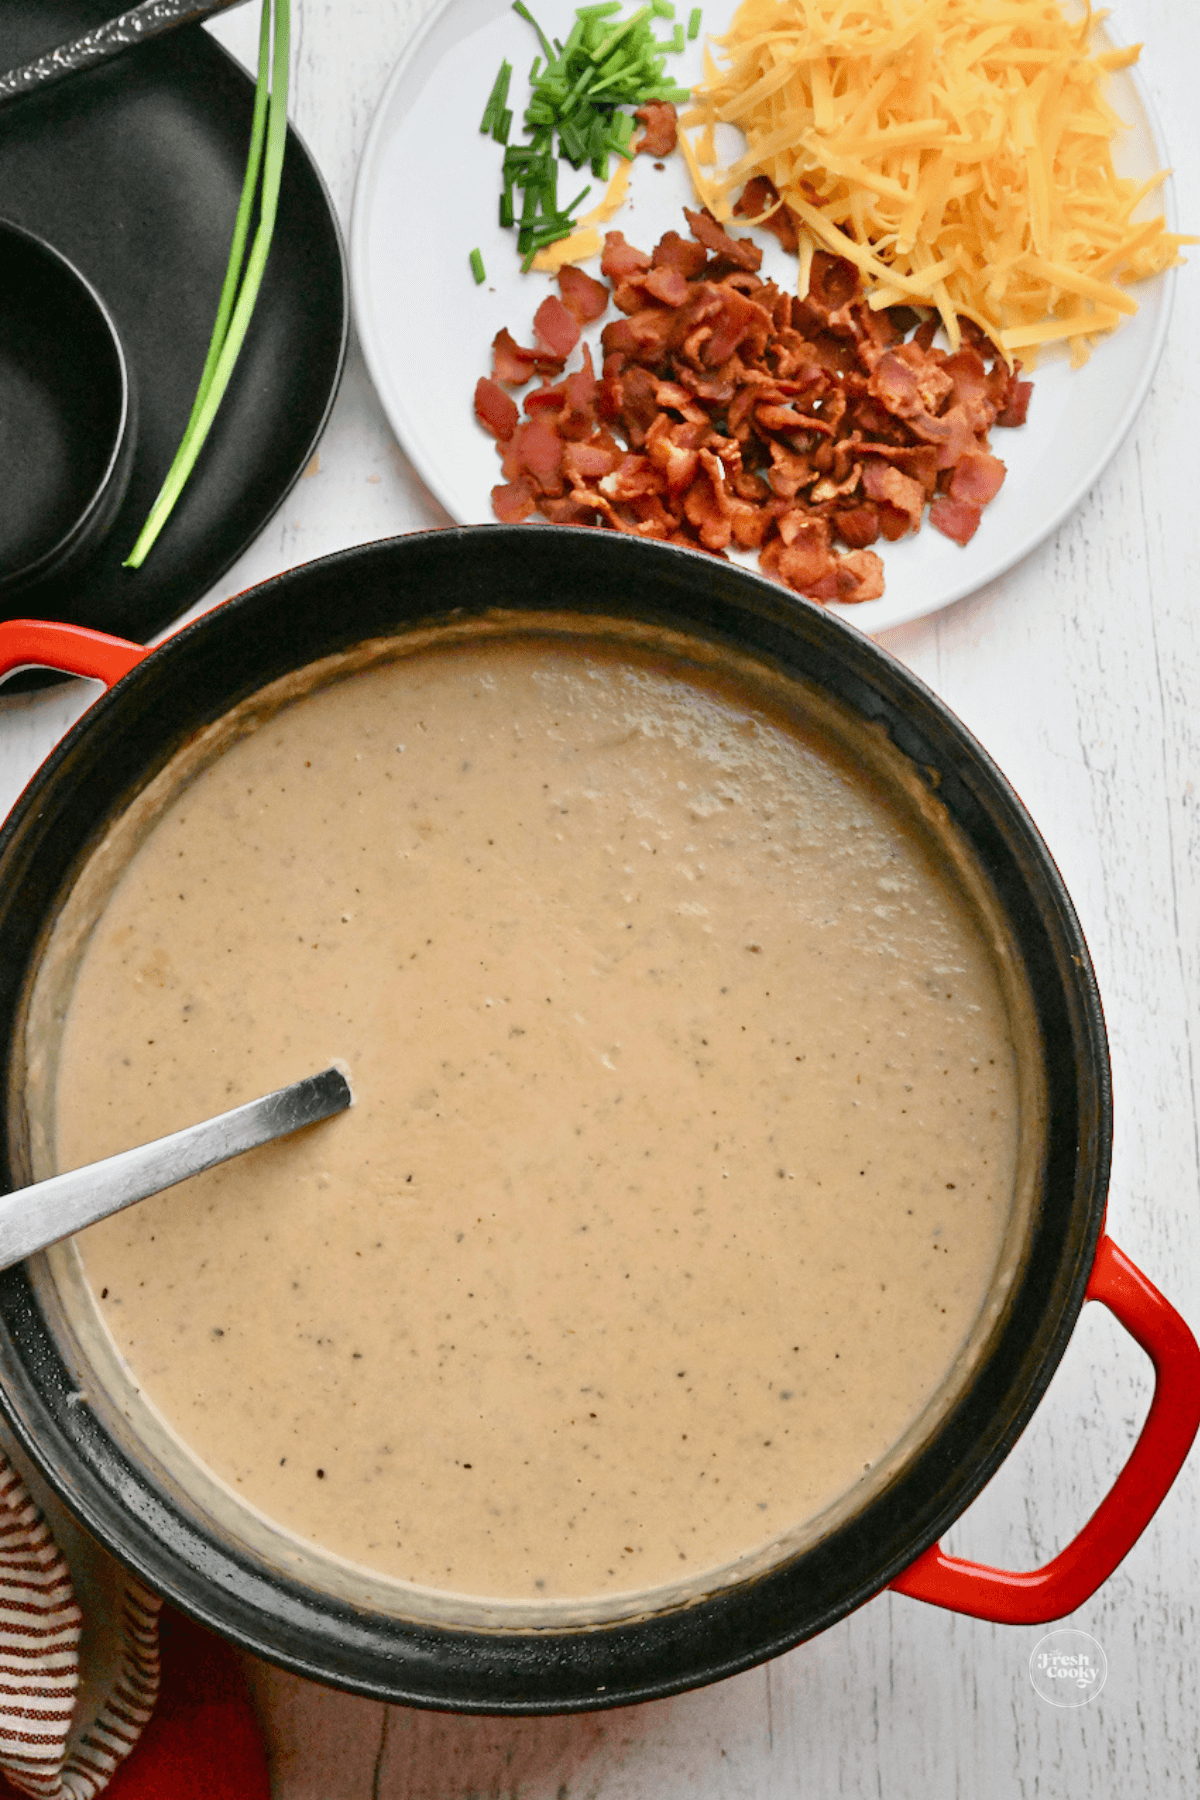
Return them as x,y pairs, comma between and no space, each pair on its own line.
64,1728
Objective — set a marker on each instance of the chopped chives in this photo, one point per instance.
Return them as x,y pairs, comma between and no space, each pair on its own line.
578,109
607,81
497,98
520,7
693,24
585,75
477,268
608,44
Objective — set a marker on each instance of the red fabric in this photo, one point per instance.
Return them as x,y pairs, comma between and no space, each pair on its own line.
203,1742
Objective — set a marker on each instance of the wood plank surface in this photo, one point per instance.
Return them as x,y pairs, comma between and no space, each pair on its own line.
1080,672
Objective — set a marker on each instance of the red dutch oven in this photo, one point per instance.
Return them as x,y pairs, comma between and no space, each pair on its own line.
156,701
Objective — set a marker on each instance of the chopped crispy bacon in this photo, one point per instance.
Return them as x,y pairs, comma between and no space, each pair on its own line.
620,260
583,461
959,519
638,404
951,434
884,482
659,136
857,526
630,294
910,386
578,416
732,416
684,254
535,449
917,460
495,410
977,476
667,285
556,329
510,362
1015,396
543,399
789,472
971,390
865,570
634,476
741,252
806,564
569,509
832,284
582,295
757,196
514,503
646,337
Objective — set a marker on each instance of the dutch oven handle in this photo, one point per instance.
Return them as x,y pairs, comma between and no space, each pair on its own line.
1034,1598
73,649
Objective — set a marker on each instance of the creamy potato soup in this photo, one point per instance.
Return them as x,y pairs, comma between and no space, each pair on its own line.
680,1181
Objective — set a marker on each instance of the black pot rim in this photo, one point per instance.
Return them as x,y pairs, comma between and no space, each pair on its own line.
286,622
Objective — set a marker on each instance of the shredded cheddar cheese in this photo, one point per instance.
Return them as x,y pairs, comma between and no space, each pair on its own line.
578,247
958,152
614,197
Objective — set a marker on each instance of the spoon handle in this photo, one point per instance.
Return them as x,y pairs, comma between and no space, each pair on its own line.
148,20
37,1216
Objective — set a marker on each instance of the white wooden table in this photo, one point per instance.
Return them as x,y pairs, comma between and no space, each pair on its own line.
1080,672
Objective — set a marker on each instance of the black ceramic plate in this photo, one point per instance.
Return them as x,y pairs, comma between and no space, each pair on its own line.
133,170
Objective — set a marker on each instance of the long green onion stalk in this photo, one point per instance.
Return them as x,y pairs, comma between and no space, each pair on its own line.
239,291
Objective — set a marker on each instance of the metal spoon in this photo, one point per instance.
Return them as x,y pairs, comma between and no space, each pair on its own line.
34,1217
149,20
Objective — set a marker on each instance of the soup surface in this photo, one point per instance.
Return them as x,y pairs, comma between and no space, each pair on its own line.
685,1131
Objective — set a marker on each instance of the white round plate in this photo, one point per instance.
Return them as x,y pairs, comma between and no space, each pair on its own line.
427,194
